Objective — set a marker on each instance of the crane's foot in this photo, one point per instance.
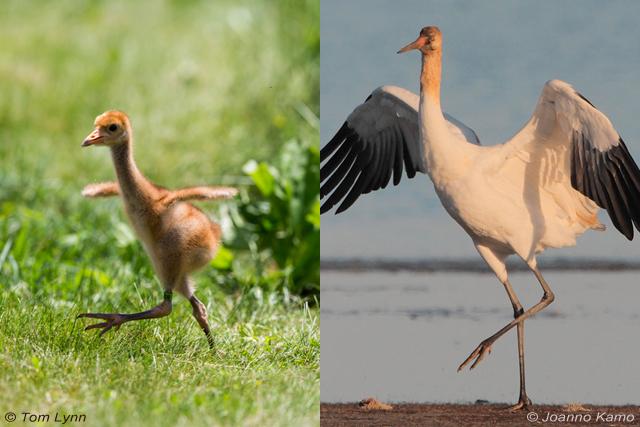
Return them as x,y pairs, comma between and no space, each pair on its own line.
524,403
112,320
478,354
117,319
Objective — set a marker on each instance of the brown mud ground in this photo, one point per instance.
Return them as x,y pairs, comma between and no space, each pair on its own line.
416,414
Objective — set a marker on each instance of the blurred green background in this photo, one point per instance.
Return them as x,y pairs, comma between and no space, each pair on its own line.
207,85
219,92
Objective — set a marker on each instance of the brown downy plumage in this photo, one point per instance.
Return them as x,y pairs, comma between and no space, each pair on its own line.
178,237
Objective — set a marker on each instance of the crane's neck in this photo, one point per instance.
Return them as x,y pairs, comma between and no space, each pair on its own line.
134,186
444,153
431,75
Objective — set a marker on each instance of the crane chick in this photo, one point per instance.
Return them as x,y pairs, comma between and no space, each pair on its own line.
178,237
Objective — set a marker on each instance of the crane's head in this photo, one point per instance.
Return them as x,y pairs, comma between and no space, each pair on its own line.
429,40
111,128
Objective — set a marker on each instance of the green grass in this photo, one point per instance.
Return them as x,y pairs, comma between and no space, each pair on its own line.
60,260
162,373
208,86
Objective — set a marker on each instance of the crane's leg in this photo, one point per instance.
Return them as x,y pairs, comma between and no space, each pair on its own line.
497,264
523,401
117,319
200,313
485,346
170,276
185,288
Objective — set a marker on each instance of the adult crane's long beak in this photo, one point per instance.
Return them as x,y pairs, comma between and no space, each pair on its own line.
94,137
417,44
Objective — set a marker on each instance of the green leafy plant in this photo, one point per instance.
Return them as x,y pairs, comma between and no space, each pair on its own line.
277,219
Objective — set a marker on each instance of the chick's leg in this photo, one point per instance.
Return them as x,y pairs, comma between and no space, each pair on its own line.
116,319
200,313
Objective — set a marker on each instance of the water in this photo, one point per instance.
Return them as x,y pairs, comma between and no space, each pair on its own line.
401,337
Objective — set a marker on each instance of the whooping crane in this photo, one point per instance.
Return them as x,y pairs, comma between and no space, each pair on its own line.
540,189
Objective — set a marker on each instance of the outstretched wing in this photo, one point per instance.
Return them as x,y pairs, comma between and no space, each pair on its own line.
600,165
201,193
379,139
101,189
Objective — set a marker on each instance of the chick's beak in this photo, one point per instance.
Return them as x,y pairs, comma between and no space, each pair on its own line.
94,137
417,44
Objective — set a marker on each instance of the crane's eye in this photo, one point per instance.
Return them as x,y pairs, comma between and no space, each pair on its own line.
113,128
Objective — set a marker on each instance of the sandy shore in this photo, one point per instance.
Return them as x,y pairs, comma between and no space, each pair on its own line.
413,414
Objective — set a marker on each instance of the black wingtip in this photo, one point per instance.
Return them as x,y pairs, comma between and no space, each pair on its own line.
341,209
330,147
324,208
585,99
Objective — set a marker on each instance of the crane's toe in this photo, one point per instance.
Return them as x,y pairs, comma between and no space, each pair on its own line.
523,404
112,320
478,354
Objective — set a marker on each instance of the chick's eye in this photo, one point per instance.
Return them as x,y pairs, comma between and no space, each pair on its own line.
113,128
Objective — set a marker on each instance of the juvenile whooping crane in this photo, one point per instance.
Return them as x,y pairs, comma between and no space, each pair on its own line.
178,237
540,189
